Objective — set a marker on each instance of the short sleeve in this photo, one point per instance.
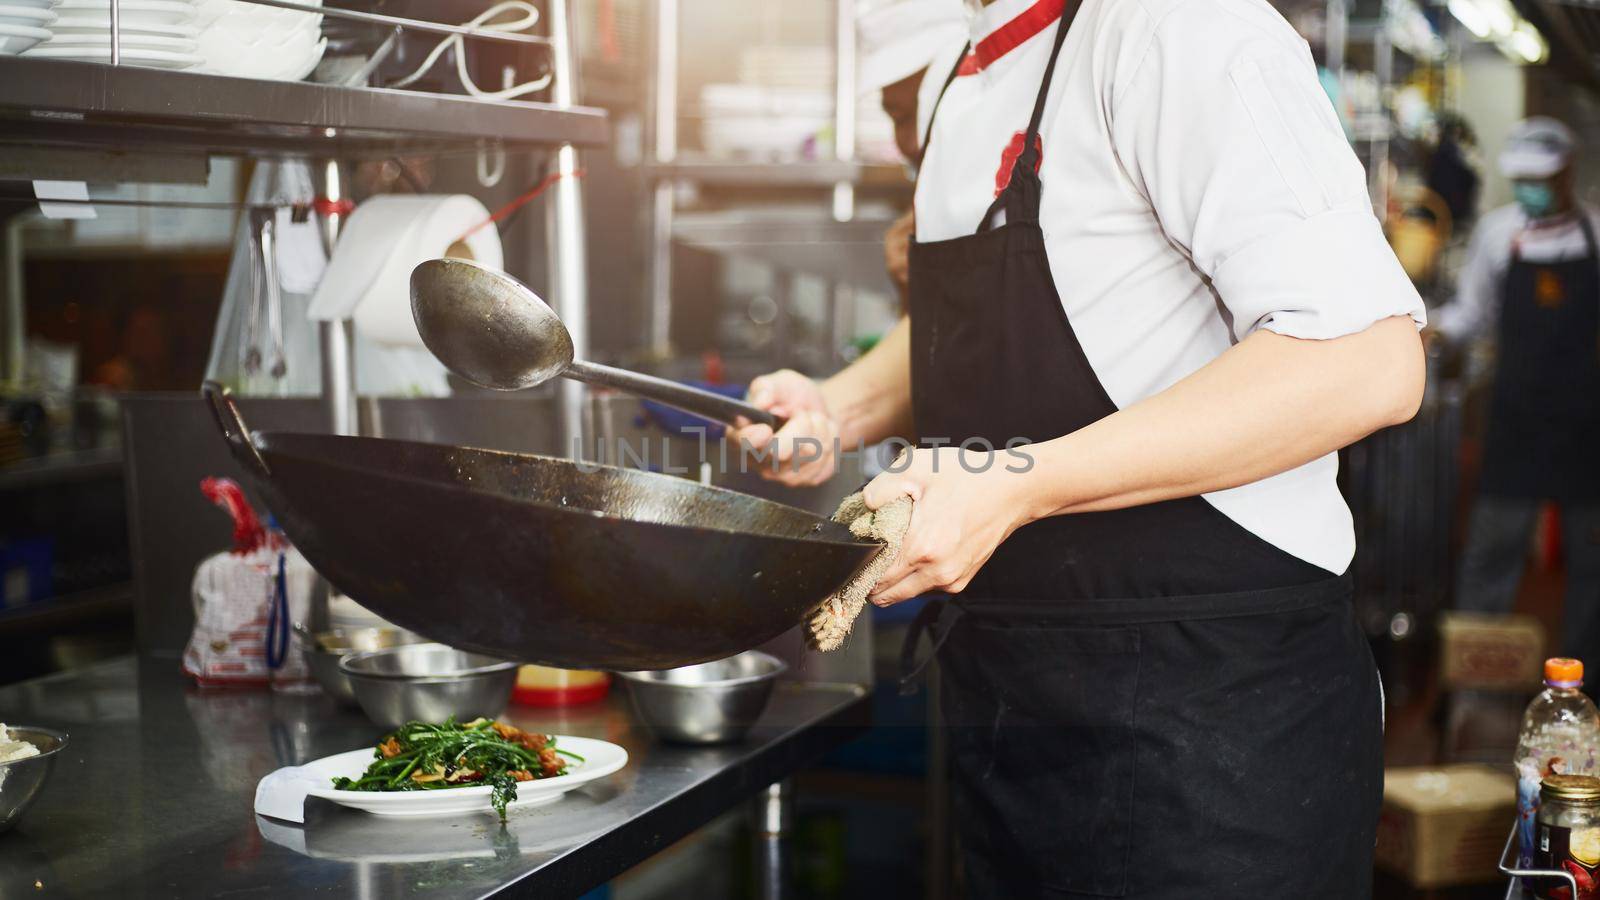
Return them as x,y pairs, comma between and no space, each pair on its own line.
1225,130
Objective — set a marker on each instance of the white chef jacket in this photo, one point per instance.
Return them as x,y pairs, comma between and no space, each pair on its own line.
1197,186
1476,307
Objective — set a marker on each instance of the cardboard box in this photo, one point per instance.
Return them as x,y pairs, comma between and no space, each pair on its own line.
1445,825
1487,651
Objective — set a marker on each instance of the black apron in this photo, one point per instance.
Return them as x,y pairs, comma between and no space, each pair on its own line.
1147,702
1543,436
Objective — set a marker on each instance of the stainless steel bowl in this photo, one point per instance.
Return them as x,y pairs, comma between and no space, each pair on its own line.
711,703
429,683
322,651
21,779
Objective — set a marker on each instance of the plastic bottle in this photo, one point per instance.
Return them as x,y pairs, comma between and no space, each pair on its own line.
1560,735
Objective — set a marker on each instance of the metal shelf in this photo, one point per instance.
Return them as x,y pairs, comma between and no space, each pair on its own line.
55,613
845,252
128,108
811,173
56,468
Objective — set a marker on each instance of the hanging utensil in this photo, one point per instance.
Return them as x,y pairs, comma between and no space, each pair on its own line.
269,274
490,329
264,292
250,334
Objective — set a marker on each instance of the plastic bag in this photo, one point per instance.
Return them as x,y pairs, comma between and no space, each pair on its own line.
234,642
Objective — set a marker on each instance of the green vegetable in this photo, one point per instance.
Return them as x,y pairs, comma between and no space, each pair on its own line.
441,755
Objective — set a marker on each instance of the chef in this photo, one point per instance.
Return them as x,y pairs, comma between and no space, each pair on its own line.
1149,300
895,41
1532,281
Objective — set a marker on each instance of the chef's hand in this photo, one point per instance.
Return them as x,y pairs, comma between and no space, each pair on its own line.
897,251
804,451
960,514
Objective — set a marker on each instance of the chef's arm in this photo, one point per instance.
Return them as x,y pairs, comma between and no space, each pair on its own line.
871,398
1268,404
868,401
1465,316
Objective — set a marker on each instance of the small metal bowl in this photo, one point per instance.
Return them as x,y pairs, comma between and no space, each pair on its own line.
322,651
428,683
21,779
710,703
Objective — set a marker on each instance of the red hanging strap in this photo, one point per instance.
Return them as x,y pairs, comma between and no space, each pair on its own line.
328,207
514,205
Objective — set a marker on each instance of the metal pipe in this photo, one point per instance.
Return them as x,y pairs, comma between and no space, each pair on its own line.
212,205
666,81
782,347
844,104
660,322
15,317
401,22
564,232
337,338
772,815
841,322
116,32
664,121
1336,31
1383,68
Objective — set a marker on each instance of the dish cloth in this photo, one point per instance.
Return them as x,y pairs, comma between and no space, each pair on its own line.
831,621
282,793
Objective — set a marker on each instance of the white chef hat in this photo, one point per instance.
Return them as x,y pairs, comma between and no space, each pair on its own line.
1537,148
896,39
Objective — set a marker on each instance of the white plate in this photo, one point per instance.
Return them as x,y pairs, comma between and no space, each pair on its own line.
26,15
146,41
134,12
81,24
600,759
289,65
16,38
133,56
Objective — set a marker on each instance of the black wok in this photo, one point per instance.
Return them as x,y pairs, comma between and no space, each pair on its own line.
539,559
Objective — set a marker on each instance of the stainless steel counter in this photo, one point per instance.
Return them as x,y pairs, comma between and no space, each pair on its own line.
153,797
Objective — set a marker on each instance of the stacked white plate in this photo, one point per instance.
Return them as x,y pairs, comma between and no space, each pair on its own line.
763,122
253,41
24,24
155,33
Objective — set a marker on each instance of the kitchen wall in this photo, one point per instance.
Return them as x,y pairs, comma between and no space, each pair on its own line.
1491,98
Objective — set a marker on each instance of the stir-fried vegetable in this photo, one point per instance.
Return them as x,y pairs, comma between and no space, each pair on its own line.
423,757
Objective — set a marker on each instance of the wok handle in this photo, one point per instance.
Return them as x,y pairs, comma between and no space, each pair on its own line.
233,429
712,406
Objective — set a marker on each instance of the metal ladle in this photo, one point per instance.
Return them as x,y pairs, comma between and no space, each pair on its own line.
490,329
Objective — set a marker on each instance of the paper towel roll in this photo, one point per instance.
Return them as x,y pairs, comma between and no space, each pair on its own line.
369,278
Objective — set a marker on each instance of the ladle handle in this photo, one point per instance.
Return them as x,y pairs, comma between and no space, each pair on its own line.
712,406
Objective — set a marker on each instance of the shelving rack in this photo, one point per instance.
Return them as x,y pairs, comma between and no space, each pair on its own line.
837,180
129,109
127,114
1373,134
78,120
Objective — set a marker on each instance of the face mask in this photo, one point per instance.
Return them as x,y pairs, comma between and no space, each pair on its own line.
1536,198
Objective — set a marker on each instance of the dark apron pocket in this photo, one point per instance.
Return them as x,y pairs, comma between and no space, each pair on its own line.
1041,733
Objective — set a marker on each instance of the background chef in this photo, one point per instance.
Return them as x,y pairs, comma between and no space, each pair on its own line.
1532,282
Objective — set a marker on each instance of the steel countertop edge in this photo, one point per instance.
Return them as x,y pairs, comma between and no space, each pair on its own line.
153,797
